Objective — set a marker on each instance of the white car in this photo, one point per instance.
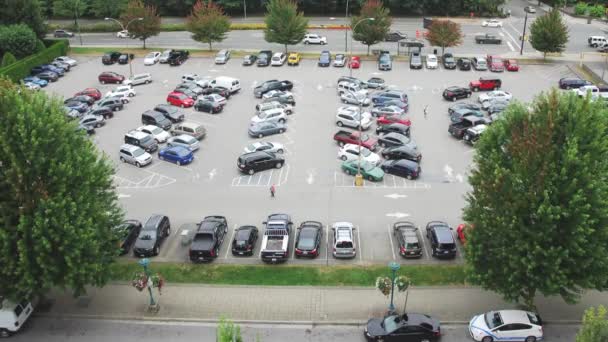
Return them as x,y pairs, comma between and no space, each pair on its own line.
164,57
260,107
124,90
270,115
339,60
431,61
277,93
222,56
152,58
122,34
215,98
184,140
495,95
278,59
67,60
138,79
32,86
349,116
159,134
355,98
203,82
273,147
491,23
506,325
351,152
312,38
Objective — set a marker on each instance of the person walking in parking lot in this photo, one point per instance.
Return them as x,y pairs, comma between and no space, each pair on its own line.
426,111
272,190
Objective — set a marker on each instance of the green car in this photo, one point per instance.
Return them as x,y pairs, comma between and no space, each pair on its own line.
368,170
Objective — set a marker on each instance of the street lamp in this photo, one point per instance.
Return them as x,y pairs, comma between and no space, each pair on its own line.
126,28
346,31
144,263
394,268
523,36
351,42
76,6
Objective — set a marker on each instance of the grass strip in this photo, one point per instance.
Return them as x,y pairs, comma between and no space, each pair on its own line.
287,275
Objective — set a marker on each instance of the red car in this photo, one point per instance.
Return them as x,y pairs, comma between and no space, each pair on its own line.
495,64
92,92
511,65
110,77
355,62
461,232
485,84
391,119
180,100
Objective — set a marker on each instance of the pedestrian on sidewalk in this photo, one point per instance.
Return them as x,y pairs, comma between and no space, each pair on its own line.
426,111
272,191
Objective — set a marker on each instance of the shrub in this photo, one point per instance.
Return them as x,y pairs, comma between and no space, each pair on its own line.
580,8
21,68
597,11
8,59
19,39
40,46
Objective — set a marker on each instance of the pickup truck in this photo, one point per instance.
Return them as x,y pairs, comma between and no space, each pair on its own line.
271,85
487,39
208,238
595,91
275,243
347,137
458,129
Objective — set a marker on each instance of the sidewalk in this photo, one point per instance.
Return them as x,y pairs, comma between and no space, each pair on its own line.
310,305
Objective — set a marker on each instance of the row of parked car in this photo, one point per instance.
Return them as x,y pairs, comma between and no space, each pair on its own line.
171,57
41,75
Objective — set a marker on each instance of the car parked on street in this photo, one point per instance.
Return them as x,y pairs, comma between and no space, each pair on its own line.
48,76
390,119
35,80
94,121
178,155
138,79
152,235
354,62
485,83
312,38
92,92
491,23
385,62
350,116
506,325
565,83
495,63
308,239
396,139
170,112
63,34
124,90
164,56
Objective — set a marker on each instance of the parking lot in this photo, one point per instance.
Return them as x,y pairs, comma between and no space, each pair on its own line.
310,186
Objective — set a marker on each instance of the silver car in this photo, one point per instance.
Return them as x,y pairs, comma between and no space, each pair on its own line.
164,57
273,147
222,57
134,155
358,98
344,240
184,140
138,79
92,121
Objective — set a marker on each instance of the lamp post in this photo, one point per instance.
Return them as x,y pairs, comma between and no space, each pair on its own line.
126,28
523,36
76,5
345,30
351,42
144,263
394,268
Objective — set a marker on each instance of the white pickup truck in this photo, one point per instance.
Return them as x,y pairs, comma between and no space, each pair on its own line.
595,91
275,243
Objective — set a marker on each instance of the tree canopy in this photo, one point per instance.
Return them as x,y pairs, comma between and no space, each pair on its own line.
108,8
284,25
595,325
142,29
370,32
444,33
17,39
57,200
538,201
549,33
26,12
207,23
70,9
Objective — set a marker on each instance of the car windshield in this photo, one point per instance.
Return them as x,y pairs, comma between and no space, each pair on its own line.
365,152
493,319
496,60
156,130
385,58
147,235
389,324
344,244
138,152
150,55
412,245
251,147
307,239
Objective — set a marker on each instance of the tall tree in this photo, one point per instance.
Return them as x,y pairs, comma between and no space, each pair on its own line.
142,29
538,201
444,33
108,8
207,23
70,9
57,200
26,12
370,32
595,325
549,33
18,39
284,25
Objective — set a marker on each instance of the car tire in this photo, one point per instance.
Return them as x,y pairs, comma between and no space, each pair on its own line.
123,160
382,144
344,158
281,121
137,164
281,131
161,157
348,172
409,177
280,151
530,339
370,178
148,82
279,165
4,333
260,135
339,123
341,143
251,171
469,94
485,338
156,250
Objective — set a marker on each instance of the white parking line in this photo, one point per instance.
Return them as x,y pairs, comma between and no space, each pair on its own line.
270,177
390,237
422,243
359,242
326,242
510,46
230,242
510,36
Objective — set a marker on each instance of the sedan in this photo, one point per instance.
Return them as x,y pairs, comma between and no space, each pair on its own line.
95,121
455,93
397,103
406,327
350,152
176,154
244,241
35,80
123,91
276,93
495,95
506,325
387,110
180,100
159,134
390,119
249,59
76,105
340,60
467,105
184,140
308,239
48,76
215,98
224,92
396,127
368,170
81,98
402,152
67,60
431,61
273,147
127,233
263,129
511,65
396,139
358,98
324,59
491,23
152,58
376,83
206,106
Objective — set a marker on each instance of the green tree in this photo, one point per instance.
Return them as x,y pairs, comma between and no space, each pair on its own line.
57,200
284,25
580,8
370,32
142,29
18,39
538,204
207,23
108,8
40,46
595,326
444,33
70,9
549,33
26,12
597,11
227,331
7,59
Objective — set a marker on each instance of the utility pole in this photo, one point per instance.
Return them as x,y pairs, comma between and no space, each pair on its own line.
345,30
245,8
523,37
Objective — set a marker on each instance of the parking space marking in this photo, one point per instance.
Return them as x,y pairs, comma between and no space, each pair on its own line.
230,242
390,237
341,180
262,179
422,243
154,180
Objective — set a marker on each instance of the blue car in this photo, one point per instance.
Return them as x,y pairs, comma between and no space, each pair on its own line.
46,67
79,106
324,59
176,154
36,80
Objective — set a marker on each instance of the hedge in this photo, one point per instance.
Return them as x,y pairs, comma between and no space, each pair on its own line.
21,68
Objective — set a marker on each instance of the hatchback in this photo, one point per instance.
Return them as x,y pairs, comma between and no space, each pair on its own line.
406,234
244,240
176,154
442,240
308,239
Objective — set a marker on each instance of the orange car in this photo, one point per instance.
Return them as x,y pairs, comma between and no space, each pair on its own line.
355,62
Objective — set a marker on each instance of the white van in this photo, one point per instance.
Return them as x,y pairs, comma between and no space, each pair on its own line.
13,315
595,41
349,87
232,84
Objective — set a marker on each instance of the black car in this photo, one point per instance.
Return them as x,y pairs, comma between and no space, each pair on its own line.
394,127
170,112
244,241
406,234
324,59
125,58
455,93
126,233
193,87
151,236
249,59
308,240
394,36
464,64
572,83
401,152
393,139
409,327
106,112
259,161
402,168
442,240
88,100
203,105
48,76
110,57
264,58
178,57
448,61
463,105
224,92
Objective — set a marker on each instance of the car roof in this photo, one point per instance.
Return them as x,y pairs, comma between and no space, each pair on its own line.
514,316
254,155
137,134
153,220
129,147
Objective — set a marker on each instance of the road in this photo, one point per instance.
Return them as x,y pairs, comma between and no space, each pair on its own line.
77,330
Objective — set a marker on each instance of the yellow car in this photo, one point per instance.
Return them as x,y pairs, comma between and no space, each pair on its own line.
294,58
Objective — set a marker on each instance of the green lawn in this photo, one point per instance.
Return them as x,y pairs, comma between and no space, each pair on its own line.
291,275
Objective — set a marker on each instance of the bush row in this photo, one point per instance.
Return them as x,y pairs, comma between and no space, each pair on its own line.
20,69
113,27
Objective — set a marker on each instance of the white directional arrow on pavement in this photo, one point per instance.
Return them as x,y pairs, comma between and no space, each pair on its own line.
212,174
397,215
395,196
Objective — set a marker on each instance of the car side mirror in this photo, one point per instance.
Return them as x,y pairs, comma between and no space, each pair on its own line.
264,222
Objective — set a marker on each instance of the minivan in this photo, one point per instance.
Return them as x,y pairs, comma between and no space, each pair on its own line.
348,87
141,139
152,117
189,128
344,240
134,155
138,79
442,240
13,315
232,84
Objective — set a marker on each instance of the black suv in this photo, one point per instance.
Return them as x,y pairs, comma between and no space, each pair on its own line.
259,161
448,61
401,152
152,235
178,57
170,112
106,112
141,139
244,241
464,64
572,83
455,93
110,57
442,240
153,117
